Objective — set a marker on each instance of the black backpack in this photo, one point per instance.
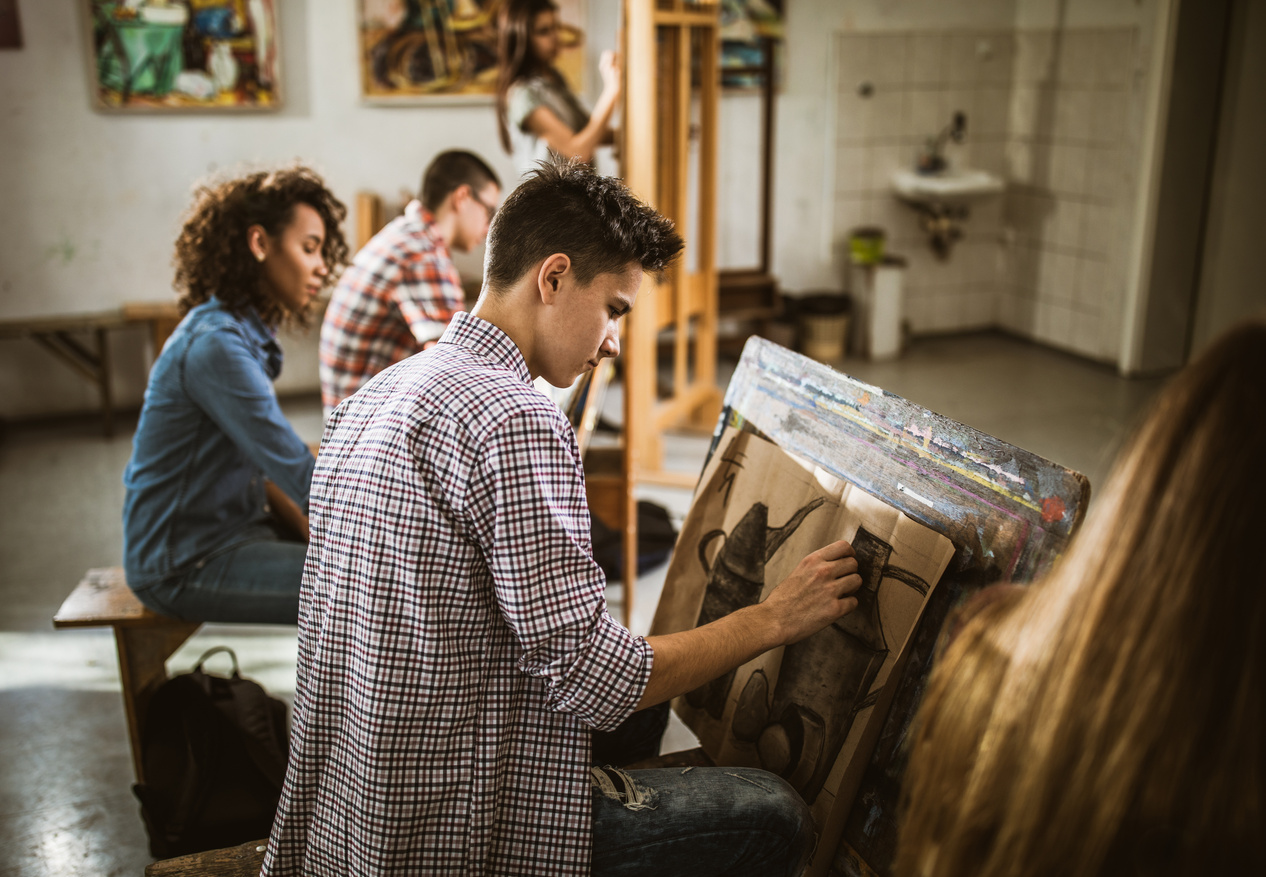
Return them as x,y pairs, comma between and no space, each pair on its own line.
214,753
656,537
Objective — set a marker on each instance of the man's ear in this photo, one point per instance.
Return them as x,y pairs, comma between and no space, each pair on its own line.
553,273
461,193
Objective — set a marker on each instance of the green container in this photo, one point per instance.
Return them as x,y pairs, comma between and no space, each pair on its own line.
866,246
140,57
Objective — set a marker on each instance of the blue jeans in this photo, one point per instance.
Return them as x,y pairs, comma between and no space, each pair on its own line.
698,821
254,580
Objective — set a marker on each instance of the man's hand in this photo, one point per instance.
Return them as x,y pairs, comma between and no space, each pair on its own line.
291,520
816,593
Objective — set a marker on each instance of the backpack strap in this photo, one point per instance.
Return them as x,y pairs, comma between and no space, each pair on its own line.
197,668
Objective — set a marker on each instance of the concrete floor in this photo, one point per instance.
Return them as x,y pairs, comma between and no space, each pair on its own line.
66,806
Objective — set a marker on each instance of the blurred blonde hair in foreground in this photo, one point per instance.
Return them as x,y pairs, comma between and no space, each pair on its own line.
1109,719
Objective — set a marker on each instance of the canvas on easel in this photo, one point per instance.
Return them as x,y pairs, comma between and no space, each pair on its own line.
1007,512
801,711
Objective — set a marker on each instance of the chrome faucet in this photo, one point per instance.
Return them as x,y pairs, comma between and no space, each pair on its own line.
931,160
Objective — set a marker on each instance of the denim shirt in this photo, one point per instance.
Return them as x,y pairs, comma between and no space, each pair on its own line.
210,431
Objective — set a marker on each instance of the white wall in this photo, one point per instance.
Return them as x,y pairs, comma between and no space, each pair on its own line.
92,202
1053,260
806,252
1231,284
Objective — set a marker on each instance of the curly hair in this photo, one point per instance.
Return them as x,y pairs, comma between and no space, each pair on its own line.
565,207
212,253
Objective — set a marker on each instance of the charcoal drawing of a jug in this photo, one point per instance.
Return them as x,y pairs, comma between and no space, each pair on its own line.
736,579
823,682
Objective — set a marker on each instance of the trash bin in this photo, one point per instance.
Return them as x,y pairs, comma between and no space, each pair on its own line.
879,291
824,319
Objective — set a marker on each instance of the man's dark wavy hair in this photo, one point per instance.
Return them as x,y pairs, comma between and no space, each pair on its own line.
565,207
212,254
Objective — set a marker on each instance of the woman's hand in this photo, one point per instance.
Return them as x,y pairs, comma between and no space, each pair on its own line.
609,67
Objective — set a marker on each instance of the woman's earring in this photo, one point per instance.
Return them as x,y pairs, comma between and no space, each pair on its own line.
259,257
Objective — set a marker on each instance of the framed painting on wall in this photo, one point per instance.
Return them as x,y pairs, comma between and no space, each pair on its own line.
750,30
193,55
419,51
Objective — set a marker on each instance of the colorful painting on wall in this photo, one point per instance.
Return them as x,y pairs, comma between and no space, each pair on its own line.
415,51
750,29
193,55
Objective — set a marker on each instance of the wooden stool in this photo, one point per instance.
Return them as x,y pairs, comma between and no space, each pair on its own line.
240,861
145,640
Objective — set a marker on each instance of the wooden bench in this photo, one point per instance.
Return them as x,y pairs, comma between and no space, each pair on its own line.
245,860
82,341
144,639
58,335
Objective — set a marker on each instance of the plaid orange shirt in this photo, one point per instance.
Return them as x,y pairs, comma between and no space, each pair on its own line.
398,295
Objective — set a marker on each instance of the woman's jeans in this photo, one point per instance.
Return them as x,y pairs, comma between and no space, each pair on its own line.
696,821
255,580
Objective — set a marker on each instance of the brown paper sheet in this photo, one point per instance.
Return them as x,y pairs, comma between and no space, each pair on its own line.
801,711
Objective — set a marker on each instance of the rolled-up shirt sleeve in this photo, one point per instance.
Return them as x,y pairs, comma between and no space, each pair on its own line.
226,381
530,514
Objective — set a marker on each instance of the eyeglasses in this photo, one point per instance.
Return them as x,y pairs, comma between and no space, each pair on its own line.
490,208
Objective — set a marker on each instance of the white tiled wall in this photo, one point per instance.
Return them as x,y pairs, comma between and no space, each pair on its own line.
918,81
1052,111
1072,155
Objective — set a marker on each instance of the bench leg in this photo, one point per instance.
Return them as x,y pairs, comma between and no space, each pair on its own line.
143,654
93,365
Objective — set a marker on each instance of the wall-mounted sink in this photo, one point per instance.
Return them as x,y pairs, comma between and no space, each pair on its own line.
942,200
954,186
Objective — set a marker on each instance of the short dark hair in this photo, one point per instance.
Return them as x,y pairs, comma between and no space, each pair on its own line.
564,206
451,170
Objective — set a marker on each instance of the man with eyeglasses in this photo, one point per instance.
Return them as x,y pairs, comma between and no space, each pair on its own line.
402,288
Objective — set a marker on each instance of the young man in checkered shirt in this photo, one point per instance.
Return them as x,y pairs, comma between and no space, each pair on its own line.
403,288
456,655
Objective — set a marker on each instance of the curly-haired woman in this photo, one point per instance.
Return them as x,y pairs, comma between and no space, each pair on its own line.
204,537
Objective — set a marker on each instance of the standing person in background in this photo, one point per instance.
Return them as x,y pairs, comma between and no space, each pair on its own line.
536,111
1109,719
403,287
205,536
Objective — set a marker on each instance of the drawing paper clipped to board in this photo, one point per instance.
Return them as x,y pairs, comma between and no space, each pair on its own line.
801,711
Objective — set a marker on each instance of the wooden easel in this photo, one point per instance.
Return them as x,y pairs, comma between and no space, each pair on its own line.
671,93
1008,512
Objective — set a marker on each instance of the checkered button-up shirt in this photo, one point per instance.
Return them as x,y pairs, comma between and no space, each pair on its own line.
399,294
454,643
